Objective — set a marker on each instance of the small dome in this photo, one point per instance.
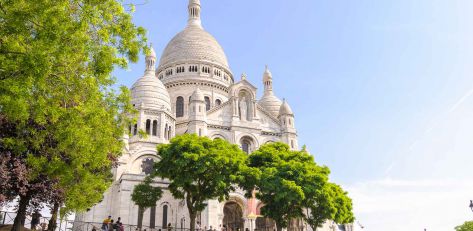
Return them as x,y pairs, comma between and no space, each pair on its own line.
271,103
285,109
267,75
197,95
193,44
151,92
152,52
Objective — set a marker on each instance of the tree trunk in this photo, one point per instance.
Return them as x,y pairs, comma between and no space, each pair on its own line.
19,221
53,221
278,227
192,217
141,211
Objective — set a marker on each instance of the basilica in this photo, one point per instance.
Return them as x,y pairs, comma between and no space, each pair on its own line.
193,90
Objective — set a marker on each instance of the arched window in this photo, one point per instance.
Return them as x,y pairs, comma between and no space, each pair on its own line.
169,132
166,132
218,102
165,216
207,103
152,217
129,129
246,144
135,129
148,127
179,106
155,128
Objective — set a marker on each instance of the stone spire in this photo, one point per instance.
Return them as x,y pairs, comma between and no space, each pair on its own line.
151,61
194,13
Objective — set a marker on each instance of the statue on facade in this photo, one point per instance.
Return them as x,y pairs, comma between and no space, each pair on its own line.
243,109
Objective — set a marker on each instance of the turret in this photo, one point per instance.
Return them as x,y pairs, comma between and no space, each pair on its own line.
289,133
197,114
151,62
151,99
194,13
267,80
269,101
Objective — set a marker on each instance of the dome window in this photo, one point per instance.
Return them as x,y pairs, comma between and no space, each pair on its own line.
148,127
169,72
179,107
218,102
206,70
192,68
180,70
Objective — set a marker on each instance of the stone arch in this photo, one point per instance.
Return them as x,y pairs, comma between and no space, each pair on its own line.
251,139
136,166
234,212
268,141
236,92
238,199
220,135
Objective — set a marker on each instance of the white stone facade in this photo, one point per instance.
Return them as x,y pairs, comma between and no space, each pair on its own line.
194,91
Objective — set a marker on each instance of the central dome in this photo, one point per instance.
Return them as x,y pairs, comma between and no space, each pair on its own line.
193,44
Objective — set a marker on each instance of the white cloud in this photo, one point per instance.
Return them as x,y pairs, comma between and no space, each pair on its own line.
403,205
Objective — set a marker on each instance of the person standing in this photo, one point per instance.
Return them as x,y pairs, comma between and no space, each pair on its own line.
116,226
106,223
35,219
110,225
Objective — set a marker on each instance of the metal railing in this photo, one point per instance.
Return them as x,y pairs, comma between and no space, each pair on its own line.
7,218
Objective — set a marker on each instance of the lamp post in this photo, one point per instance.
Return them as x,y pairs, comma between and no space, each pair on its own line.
471,205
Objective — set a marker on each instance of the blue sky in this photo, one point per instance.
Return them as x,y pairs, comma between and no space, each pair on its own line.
382,91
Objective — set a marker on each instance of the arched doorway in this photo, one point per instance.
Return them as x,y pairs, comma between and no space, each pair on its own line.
233,216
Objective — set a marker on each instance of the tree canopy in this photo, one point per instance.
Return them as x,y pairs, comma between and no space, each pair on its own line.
61,121
329,203
290,184
467,226
200,169
145,196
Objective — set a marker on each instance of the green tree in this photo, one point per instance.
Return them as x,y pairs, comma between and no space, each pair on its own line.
60,117
145,196
328,203
200,169
467,226
282,181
